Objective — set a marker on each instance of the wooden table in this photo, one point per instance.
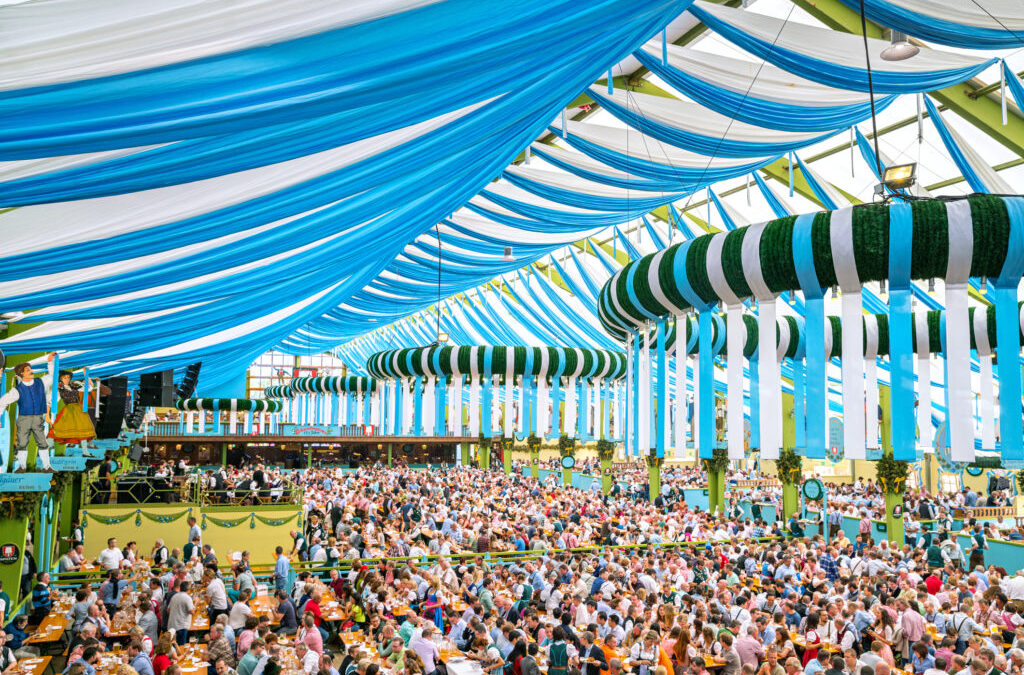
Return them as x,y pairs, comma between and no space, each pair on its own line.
35,665
51,628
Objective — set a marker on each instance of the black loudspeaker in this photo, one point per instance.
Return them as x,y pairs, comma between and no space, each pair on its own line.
135,452
113,407
157,389
188,384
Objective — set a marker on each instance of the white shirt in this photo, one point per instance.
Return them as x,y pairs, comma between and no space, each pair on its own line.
239,612
311,662
217,594
110,558
14,395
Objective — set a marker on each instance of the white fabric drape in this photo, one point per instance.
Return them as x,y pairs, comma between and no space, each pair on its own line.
958,332
841,239
925,431
986,388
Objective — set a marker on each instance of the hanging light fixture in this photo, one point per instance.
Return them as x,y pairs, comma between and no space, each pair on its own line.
899,48
508,257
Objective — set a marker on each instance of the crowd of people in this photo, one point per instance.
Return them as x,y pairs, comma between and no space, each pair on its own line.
598,585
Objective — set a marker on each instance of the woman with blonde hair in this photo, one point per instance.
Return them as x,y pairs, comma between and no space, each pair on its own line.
164,653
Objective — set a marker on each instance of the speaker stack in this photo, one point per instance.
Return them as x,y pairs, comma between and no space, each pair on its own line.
157,389
188,385
113,407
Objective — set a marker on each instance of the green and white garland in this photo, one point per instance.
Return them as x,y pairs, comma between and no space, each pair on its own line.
980,236
416,379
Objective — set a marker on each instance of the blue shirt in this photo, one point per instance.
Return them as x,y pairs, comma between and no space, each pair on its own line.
813,667
142,664
921,665
281,568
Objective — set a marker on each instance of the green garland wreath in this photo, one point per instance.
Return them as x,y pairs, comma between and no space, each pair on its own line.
892,475
789,467
533,442
605,450
719,461
566,446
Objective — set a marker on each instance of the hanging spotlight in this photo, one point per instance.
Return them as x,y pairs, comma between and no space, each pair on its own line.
881,286
899,48
508,257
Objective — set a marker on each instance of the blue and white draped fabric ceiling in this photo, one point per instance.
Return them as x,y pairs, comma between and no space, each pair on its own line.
208,180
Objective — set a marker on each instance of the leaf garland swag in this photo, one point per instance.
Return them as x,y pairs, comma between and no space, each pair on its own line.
533,442
139,514
892,475
59,484
789,467
25,504
566,446
636,301
653,461
719,461
228,523
605,450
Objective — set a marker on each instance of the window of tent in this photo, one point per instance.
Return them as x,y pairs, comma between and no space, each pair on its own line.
277,368
913,482
949,482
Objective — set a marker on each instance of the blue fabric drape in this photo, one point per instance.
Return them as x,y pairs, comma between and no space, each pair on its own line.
937,29
836,75
785,116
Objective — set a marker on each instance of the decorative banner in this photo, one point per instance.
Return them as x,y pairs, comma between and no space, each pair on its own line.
9,553
25,482
309,430
67,463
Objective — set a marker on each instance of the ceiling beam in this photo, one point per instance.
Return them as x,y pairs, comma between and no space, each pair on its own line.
973,100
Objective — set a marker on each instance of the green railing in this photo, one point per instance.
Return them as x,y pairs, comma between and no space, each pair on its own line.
265,570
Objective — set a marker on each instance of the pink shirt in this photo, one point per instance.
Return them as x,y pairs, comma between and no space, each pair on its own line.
312,639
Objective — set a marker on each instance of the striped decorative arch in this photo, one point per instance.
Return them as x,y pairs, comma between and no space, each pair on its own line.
442,361
955,240
333,385
227,404
278,391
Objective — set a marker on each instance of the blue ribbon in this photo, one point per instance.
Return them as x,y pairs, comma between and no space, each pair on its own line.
901,345
487,392
635,387
417,407
1008,336
755,403
662,401
803,258
706,432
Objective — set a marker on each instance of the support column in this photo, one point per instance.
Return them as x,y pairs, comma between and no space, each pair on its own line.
506,455
790,501
894,522
535,462
654,477
390,447
465,453
606,475
716,491
485,456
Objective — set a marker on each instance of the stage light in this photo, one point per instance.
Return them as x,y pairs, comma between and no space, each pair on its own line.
508,257
900,176
899,48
